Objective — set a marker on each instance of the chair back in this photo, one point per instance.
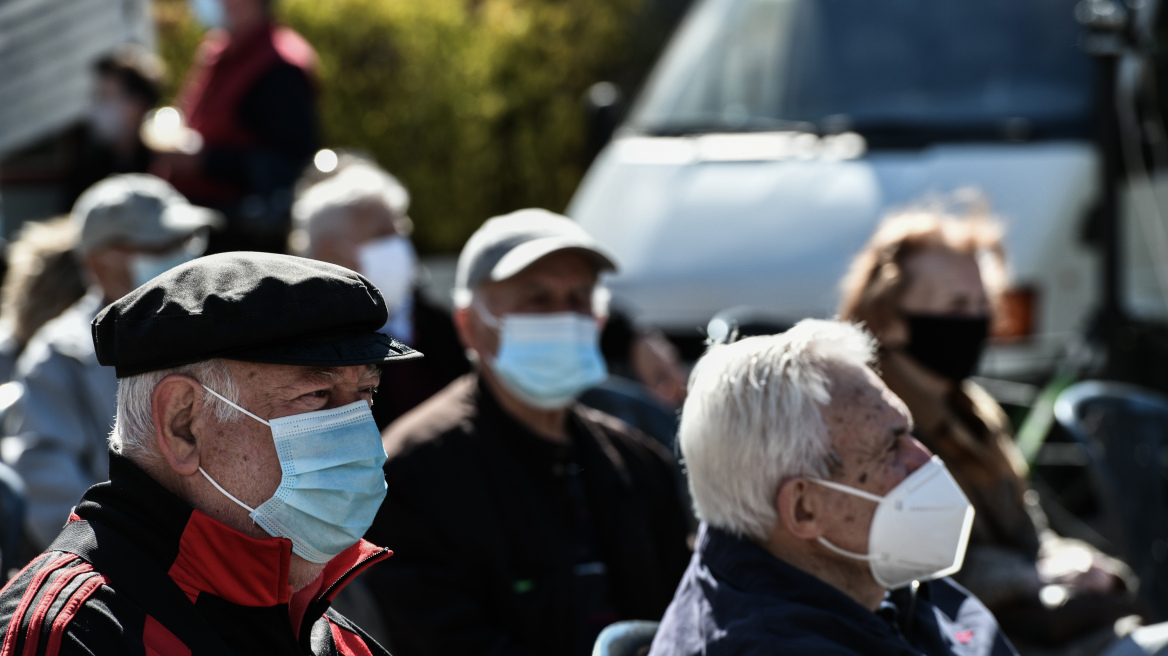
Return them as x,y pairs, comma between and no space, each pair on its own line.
628,638
1124,432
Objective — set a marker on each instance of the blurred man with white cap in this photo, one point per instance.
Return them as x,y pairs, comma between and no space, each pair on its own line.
132,227
523,521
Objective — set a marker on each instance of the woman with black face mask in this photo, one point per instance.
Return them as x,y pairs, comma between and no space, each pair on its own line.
919,287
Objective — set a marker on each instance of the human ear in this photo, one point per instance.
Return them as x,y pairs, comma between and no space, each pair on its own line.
800,508
173,406
462,326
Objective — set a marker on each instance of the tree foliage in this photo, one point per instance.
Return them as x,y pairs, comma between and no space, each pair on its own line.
474,104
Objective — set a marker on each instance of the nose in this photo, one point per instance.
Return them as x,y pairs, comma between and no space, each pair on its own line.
916,455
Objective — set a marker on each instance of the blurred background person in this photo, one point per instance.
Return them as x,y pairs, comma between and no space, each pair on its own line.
128,84
130,228
44,277
522,521
646,383
926,284
358,219
251,97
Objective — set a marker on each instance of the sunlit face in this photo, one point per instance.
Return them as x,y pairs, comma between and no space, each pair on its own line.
110,265
241,454
361,224
562,281
942,282
869,428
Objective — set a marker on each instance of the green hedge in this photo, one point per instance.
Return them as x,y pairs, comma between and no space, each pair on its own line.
474,104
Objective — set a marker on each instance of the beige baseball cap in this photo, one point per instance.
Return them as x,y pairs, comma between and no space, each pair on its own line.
508,244
139,210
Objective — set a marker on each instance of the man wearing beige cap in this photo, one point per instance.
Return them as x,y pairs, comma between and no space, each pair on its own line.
523,522
132,227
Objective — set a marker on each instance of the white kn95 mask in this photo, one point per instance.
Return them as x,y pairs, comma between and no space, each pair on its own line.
920,529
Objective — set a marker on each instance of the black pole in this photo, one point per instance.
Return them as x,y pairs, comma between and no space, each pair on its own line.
1106,38
1111,312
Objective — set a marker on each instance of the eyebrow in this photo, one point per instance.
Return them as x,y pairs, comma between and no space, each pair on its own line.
328,374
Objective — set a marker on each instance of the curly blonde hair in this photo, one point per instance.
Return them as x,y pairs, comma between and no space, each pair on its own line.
44,276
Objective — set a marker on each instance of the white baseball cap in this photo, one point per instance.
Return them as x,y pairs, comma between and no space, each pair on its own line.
508,244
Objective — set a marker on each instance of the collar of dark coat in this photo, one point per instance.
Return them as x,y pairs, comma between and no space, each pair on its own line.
204,556
746,566
585,429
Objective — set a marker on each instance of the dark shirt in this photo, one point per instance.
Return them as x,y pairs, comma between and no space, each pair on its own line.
405,385
496,549
737,598
280,111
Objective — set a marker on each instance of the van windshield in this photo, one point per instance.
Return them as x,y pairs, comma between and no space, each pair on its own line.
979,68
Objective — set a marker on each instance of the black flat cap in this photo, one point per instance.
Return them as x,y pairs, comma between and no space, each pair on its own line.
255,307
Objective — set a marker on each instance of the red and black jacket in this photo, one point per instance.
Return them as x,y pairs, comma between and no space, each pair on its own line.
138,571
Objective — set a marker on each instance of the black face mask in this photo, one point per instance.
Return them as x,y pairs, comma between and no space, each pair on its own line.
947,345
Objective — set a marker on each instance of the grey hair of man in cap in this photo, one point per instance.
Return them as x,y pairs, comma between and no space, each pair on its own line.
357,198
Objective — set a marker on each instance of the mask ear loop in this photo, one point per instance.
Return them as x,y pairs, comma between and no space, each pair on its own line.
204,472
224,399
225,492
854,492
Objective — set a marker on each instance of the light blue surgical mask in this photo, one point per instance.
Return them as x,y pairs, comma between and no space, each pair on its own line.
332,482
144,267
547,360
209,13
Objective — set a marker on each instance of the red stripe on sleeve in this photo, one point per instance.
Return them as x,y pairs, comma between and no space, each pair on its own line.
349,644
38,614
53,647
9,648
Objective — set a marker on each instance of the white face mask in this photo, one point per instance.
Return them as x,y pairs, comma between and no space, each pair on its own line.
391,265
920,529
107,120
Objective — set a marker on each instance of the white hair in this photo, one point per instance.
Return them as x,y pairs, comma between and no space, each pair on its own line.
358,184
753,419
133,433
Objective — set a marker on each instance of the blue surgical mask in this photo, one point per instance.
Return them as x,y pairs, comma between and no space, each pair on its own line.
332,484
209,13
144,267
547,360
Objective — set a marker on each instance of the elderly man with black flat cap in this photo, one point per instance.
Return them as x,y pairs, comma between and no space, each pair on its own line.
523,521
245,466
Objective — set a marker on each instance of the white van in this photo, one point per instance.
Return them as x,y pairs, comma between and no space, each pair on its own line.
773,134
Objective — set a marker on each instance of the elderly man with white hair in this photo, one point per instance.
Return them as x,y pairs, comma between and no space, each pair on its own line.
357,218
827,529
244,468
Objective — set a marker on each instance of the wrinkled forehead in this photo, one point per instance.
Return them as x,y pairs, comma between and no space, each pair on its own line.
862,410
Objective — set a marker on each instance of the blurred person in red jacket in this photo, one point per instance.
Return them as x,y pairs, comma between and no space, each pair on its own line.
251,98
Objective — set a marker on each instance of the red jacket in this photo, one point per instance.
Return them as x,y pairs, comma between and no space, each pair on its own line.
138,571
214,92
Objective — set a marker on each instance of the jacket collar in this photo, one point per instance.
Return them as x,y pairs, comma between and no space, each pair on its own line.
205,556
746,566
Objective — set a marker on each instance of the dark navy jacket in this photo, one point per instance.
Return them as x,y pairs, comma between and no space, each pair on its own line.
736,598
